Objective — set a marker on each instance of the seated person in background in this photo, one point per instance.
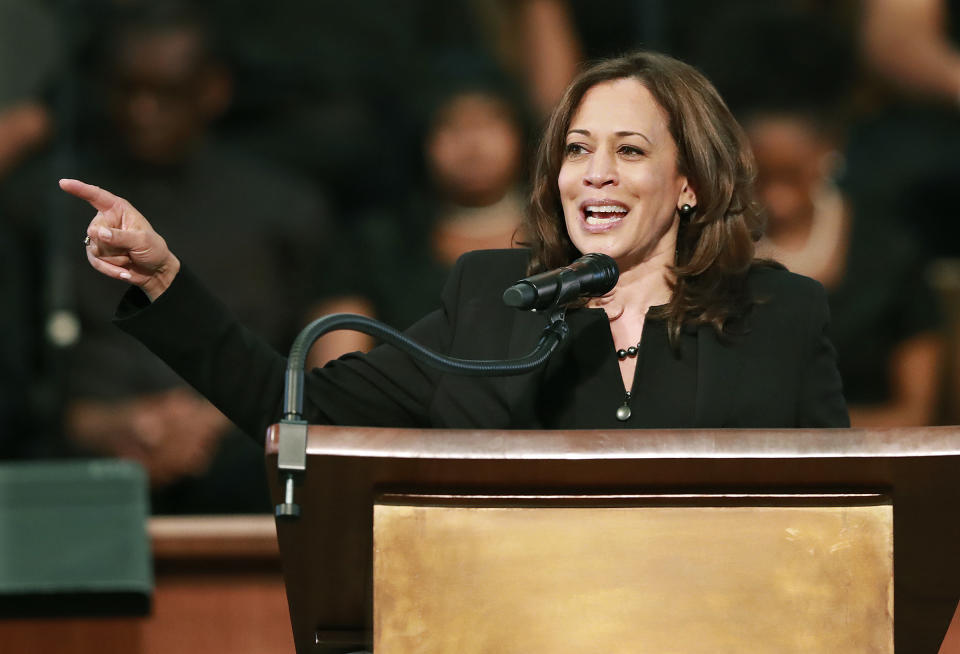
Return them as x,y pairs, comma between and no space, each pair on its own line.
884,319
475,151
915,44
29,58
642,161
17,333
255,231
905,150
884,316
473,197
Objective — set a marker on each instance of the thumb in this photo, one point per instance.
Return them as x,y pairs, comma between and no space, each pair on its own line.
121,239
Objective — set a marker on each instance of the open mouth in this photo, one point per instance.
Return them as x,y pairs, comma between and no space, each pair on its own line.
599,214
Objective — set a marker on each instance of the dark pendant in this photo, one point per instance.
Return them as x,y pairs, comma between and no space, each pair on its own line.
623,411
621,354
631,351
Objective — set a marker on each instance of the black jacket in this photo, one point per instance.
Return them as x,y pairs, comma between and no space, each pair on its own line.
779,372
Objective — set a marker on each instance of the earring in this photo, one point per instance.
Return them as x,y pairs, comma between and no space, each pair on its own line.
686,211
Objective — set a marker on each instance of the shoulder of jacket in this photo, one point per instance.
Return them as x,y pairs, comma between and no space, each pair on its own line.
510,256
787,299
775,279
494,266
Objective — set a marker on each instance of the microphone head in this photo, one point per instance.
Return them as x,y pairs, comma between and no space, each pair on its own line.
589,276
520,296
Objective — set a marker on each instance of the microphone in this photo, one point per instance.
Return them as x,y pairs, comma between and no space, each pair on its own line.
589,276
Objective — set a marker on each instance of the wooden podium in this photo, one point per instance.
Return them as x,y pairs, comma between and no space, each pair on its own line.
623,541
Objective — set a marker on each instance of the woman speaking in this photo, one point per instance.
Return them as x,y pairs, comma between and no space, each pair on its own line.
641,161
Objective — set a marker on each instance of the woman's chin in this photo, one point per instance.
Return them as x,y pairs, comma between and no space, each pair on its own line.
603,242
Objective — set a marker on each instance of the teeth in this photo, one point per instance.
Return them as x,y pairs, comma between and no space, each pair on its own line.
594,220
605,208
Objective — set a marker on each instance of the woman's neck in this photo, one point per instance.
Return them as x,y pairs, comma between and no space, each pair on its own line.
640,286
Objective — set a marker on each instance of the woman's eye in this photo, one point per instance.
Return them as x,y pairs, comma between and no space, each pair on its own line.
573,149
631,151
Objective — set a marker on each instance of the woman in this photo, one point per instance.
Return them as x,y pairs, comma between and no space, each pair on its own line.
641,161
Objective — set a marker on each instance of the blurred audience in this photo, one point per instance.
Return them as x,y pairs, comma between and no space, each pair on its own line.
571,31
433,101
536,41
162,86
331,88
906,150
884,316
475,132
913,43
17,332
29,54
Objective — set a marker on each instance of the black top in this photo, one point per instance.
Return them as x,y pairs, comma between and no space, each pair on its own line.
781,371
665,381
882,301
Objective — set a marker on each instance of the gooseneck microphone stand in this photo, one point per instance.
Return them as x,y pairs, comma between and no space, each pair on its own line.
292,459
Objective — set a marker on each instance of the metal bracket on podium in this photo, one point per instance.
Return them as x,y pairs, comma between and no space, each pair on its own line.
292,462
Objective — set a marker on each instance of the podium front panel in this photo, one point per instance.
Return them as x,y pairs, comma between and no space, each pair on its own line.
795,575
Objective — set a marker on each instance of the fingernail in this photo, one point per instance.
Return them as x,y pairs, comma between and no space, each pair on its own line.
105,233
124,275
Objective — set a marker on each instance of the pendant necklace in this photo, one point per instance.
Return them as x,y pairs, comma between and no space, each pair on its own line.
623,411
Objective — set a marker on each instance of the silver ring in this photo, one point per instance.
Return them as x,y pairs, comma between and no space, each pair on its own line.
86,240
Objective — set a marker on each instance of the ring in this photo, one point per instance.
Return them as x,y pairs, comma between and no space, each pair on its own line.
86,240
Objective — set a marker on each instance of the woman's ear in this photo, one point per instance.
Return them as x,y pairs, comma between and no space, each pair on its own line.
687,195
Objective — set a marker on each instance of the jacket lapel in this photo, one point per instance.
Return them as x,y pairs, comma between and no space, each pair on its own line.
718,372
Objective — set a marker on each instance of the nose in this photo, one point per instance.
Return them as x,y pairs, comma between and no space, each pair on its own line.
602,171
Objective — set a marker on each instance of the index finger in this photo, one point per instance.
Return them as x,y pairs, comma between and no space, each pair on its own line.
102,200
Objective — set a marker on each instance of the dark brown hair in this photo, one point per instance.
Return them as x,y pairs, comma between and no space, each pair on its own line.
715,246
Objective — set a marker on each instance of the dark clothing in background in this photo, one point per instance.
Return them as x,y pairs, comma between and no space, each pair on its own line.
610,28
395,266
902,159
18,327
882,301
780,373
333,89
30,50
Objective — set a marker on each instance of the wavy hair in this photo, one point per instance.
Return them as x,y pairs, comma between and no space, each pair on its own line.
715,246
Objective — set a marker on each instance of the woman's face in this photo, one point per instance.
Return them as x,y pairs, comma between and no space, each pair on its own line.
791,158
619,185
475,149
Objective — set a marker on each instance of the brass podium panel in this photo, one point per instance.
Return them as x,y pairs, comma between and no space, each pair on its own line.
781,575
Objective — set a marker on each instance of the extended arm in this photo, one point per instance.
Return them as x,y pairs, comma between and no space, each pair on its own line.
906,41
914,381
175,316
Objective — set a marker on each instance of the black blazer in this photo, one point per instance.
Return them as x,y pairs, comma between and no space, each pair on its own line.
779,372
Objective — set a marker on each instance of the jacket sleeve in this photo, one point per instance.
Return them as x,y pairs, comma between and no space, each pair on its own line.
821,402
197,336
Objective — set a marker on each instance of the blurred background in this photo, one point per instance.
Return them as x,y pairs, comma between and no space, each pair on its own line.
354,150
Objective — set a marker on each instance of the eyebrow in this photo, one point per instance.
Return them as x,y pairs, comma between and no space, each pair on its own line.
622,133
